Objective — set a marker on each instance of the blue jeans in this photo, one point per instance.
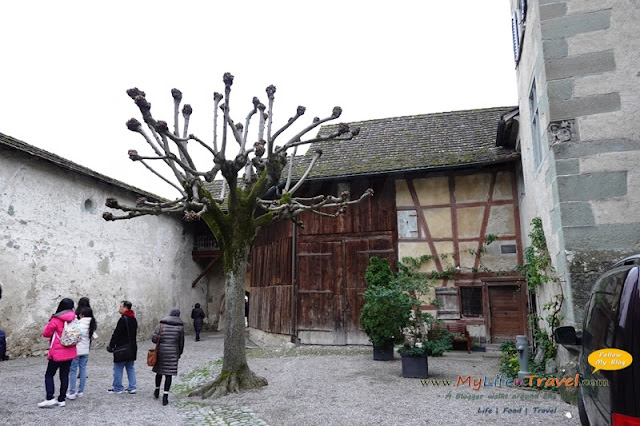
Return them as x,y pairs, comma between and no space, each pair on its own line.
81,363
117,376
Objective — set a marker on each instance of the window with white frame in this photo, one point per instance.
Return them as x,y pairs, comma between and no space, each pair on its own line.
536,139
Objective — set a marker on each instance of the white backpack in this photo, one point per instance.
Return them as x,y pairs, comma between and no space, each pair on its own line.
71,334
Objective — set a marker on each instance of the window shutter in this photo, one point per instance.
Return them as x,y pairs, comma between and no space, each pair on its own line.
515,30
523,10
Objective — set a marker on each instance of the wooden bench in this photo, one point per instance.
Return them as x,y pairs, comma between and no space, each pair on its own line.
461,329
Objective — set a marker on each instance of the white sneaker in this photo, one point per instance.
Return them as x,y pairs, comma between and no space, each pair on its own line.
71,396
61,403
47,403
80,394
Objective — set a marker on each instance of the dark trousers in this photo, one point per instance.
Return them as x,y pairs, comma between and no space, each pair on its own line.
197,335
52,367
167,382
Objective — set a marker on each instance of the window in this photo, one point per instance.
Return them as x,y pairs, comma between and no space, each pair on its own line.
407,224
508,249
536,142
471,301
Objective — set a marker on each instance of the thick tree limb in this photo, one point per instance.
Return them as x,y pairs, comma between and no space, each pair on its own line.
291,161
314,159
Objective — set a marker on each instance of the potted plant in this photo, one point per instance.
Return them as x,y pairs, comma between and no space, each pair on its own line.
386,309
419,342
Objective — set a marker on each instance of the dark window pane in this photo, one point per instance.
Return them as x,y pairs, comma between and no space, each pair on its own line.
471,301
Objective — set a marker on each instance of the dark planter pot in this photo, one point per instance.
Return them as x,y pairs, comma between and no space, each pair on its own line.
383,353
415,366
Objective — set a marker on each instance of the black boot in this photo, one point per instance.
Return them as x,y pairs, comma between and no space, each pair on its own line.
165,398
156,393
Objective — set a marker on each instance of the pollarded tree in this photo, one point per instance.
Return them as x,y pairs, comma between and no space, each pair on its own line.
248,177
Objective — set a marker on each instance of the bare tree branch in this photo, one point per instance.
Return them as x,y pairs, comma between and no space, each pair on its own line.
271,90
217,97
291,161
186,113
256,102
337,111
315,158
228,81
299,112
333,136
177,97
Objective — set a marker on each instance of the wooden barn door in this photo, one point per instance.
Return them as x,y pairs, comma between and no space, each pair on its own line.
357,254
330,286
320,274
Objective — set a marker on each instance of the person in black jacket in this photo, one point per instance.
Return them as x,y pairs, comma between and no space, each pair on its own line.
169,336
124,348
197,314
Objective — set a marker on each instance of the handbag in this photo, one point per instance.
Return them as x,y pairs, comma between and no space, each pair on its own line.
152,355
122,353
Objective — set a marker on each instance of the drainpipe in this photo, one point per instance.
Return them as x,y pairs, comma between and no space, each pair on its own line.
294,293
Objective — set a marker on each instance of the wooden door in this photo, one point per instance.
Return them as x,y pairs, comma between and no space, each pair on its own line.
320,276
506,312
357,254
330,286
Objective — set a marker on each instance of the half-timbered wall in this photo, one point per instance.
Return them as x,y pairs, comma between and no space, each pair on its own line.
449,218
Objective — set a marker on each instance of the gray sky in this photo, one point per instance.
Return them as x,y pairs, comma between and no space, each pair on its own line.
65,65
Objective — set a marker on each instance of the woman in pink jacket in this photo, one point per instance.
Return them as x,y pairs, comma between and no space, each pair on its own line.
59,356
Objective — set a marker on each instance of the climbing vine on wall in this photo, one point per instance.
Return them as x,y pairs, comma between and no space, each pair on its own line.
537,261
538,271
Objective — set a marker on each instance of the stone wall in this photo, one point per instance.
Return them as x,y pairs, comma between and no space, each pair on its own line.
55,244
584,54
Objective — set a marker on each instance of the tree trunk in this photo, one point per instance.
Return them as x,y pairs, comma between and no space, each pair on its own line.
235,375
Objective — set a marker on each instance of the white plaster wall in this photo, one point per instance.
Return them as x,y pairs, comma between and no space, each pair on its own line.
54,244
535,189
536,198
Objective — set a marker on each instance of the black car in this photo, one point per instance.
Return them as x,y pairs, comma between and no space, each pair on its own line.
612,320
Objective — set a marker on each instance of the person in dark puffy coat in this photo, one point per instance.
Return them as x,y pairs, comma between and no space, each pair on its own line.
197,314
170,334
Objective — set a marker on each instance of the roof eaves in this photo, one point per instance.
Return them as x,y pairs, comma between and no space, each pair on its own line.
9,142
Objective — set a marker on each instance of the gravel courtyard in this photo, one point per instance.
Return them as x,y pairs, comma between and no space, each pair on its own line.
308,385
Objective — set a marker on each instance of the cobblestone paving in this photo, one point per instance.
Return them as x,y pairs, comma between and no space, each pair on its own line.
195,414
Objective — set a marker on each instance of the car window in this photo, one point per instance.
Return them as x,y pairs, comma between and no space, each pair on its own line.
603,309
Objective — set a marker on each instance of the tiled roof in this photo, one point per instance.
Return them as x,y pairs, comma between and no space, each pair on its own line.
415,143
30,150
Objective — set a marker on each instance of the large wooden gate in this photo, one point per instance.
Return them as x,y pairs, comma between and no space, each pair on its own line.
330,285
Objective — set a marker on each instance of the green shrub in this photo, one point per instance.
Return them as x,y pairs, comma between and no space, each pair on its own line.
509,360
386,307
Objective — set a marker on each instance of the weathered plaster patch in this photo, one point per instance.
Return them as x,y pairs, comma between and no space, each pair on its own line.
103,266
